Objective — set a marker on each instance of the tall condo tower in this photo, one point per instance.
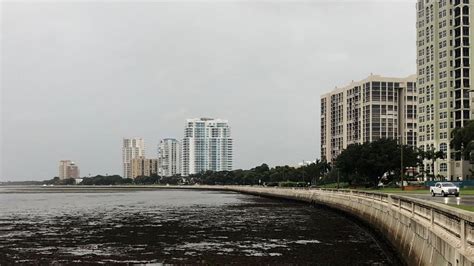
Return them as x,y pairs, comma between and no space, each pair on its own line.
444,65
169,157
207,145
132,148
367,110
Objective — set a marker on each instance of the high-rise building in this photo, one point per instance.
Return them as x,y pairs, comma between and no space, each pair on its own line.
364,111
207,145
131,148
68,169
444,65
142,166
169,157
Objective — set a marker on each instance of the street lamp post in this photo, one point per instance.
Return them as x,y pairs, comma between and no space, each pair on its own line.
402,172
402,168
401,162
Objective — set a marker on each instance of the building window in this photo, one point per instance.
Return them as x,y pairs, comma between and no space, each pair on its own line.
443,167
443,147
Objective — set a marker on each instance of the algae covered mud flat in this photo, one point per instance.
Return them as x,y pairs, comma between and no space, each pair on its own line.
137,225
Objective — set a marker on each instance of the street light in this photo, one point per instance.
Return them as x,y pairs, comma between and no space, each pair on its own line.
401,162
402,168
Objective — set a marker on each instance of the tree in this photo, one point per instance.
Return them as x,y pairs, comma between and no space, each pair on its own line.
463,140
377,158
147,180
432,155
348,163
313,170
262,174
371,161
105,180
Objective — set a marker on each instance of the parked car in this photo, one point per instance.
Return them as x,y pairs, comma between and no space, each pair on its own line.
444,189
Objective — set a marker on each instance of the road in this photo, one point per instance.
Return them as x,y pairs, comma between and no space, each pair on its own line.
451,200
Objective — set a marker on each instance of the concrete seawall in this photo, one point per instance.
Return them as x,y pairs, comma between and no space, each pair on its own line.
424,233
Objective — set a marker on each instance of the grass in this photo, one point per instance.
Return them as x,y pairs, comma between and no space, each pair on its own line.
394,190
467,191
399,190
463,207
334,185
464,191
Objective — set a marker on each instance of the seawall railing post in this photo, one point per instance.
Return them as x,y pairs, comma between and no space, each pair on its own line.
389,204
463,234
412,209
432,217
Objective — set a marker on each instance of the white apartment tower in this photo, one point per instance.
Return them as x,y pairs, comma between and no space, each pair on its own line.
207,145
364,111
132,148
169,157
444,65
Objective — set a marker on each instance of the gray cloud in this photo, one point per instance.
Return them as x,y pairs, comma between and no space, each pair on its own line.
79,76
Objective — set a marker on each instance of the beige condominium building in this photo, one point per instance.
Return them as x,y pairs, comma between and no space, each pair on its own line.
68,169
131,148
374,108
444,66
142,166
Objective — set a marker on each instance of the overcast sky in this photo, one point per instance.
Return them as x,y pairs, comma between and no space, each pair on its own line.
78,77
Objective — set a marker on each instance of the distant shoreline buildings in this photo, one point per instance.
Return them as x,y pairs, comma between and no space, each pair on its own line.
207,145
421,110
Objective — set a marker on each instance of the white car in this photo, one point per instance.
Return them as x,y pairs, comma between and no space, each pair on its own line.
444,189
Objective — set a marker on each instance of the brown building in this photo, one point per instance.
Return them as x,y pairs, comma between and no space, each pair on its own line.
143,167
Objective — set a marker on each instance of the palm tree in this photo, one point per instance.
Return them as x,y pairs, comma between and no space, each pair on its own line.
432,155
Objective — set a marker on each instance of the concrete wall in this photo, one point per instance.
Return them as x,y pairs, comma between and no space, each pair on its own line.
424,233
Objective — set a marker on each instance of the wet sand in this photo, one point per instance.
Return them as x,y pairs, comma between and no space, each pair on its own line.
177,227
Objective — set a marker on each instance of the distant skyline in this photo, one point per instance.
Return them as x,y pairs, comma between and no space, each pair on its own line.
77,77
